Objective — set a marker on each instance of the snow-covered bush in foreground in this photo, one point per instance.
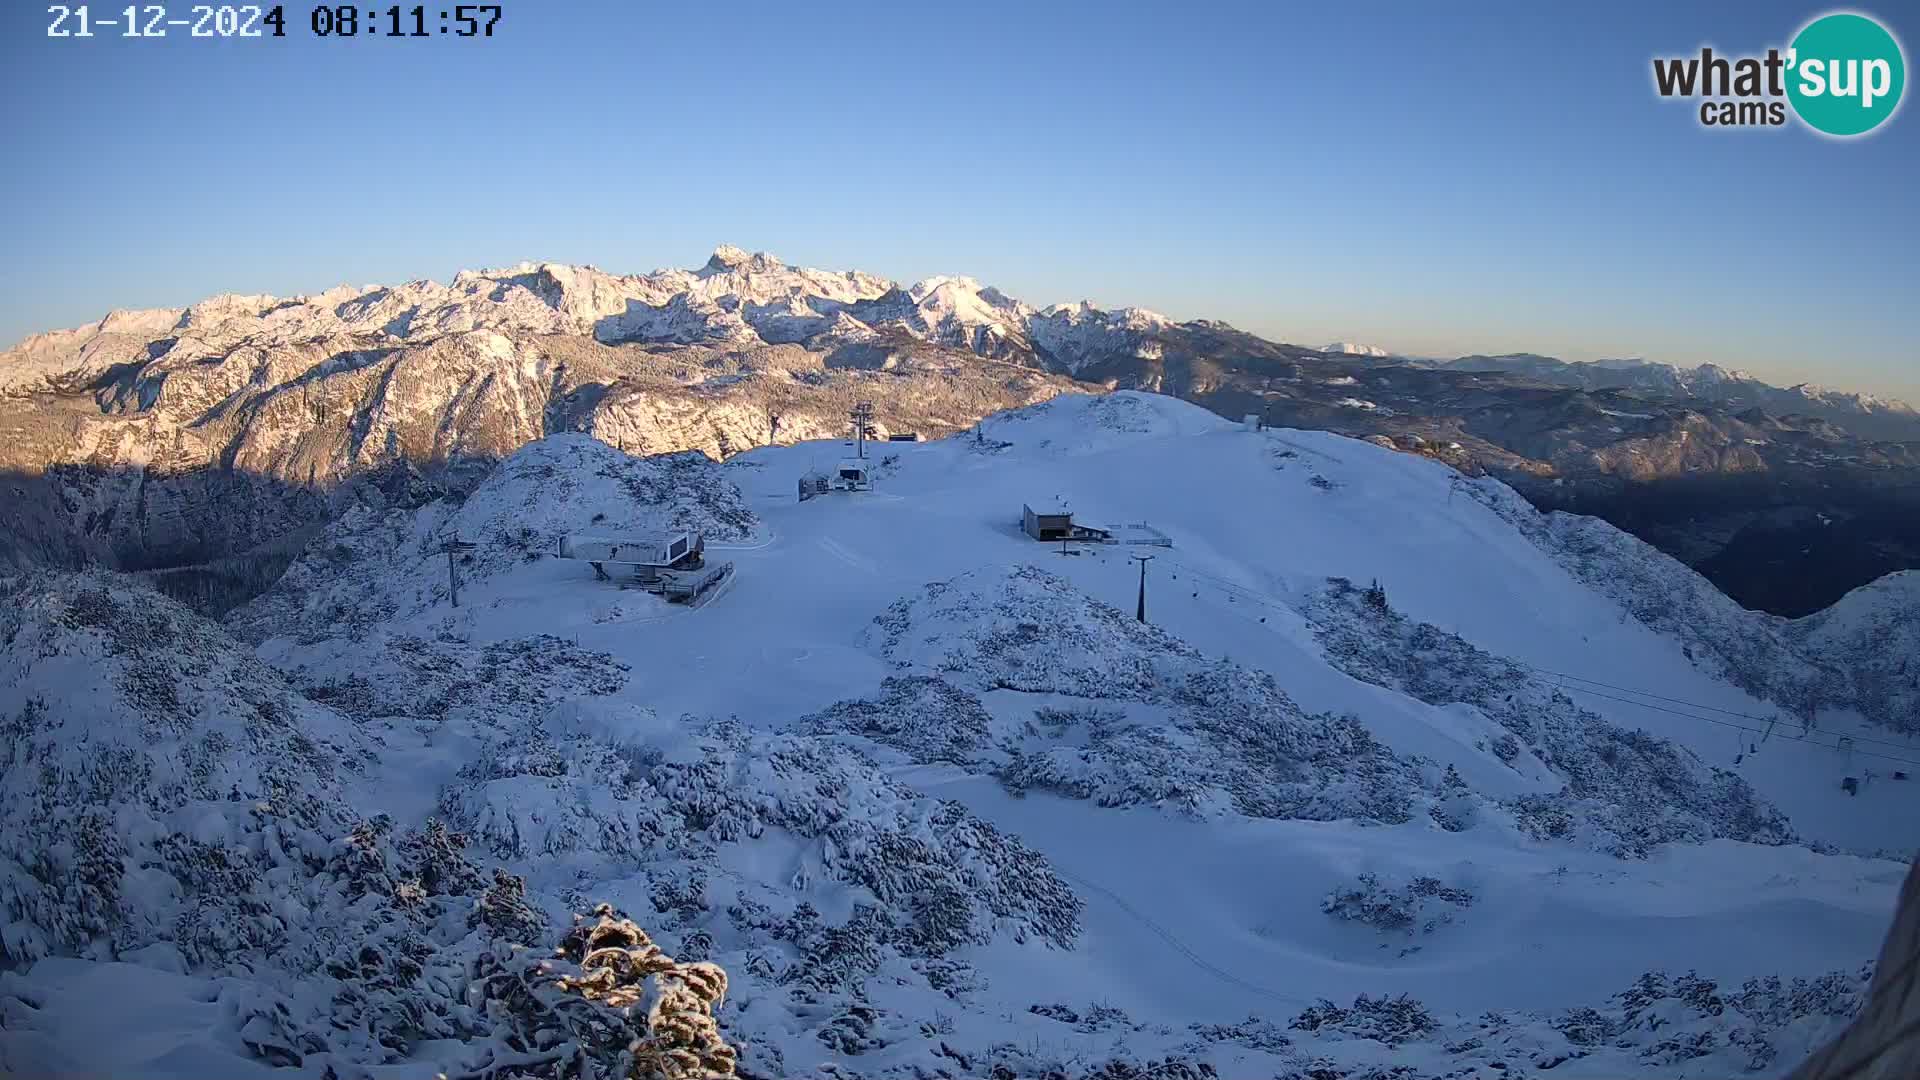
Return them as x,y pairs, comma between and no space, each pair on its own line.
170,801
206,830
149,762
1626,791
881,886
1224,737
672,796
1384,1020
609,1005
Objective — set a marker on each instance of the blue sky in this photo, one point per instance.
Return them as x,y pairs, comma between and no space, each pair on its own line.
1437,178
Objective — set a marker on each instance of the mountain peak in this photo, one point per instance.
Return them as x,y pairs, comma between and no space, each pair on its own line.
1350,348
726,257
943,283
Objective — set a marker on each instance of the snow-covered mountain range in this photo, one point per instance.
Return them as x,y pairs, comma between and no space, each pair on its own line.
183,437
1877,417
1354,348
735,299
1400,777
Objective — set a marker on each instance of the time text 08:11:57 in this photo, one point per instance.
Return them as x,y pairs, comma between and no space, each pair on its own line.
257,21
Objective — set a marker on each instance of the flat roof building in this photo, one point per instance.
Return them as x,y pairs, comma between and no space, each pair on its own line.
1056,523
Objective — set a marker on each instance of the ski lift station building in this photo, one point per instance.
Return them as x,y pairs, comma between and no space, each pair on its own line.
672,564
668,551
849,475
852,475
1056,523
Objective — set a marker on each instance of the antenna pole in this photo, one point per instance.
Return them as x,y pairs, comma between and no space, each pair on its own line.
1140,612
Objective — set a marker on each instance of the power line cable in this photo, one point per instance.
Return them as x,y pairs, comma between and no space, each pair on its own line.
1809,740
1695,704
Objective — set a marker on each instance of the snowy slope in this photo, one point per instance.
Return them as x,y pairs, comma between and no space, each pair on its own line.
940,806
1870,644
138,735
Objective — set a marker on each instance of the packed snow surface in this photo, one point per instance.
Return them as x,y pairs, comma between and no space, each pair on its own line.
933,796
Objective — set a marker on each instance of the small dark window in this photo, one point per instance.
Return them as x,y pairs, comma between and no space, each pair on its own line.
678,549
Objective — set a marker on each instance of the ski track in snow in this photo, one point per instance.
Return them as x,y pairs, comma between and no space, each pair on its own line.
1174,943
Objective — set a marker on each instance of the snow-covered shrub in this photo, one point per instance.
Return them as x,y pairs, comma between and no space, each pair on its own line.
858,1029
137,739
498,684
676,793
1420,905
1010,1061
1118,763
1387,1020
1330,1069
1095,1018
1671,1019
1221,736
1253,1033
1455,807
1661,1025
929,718
608,1004
376,969
1626,791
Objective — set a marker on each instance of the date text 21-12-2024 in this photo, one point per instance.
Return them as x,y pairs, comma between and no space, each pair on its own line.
257,21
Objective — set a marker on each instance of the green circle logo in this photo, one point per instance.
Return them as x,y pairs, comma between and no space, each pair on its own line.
1845,73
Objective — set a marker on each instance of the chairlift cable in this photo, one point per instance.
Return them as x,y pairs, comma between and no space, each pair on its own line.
1559,675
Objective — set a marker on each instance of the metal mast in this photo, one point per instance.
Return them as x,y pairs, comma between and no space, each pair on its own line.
862,419
1140,613
453,548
